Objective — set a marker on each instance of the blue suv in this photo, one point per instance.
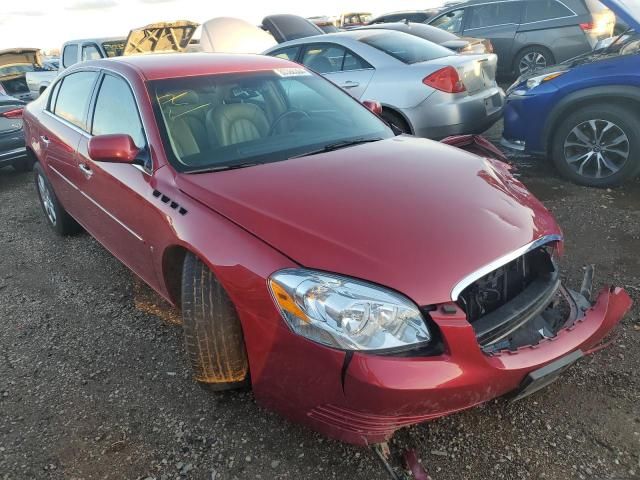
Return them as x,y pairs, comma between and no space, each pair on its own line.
584,113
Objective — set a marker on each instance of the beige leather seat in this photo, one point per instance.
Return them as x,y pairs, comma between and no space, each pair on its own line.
237,123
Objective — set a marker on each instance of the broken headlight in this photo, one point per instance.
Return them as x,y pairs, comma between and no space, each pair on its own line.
346,313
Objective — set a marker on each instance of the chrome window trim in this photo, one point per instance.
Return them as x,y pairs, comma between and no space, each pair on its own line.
136,101
573,14
67,123
500,262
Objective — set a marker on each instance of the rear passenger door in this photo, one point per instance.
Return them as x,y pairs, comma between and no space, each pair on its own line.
340,65
64,124
497,22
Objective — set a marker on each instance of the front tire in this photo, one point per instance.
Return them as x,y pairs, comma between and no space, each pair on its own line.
212,331
57,217
598,146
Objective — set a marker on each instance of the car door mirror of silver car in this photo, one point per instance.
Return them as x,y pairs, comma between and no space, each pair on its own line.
117,148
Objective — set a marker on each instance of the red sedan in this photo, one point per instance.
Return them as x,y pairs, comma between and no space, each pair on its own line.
358,280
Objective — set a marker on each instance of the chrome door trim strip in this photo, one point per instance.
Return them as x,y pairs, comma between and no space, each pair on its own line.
490,267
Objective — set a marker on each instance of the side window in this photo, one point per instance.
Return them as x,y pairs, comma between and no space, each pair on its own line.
540,10
450,22
354,62
73,97
90,52
500,13
324,58
116,111
290,53
69,55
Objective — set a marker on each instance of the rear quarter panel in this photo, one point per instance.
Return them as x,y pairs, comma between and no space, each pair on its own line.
565,42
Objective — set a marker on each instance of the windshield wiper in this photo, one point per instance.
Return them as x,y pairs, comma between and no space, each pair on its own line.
337,146
222,168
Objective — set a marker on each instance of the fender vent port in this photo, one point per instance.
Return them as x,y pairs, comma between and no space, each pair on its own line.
166,200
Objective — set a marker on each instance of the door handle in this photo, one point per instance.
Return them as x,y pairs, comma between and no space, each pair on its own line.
350,84
86,170
45,139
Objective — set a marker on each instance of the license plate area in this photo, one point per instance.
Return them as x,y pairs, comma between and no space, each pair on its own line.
493,103
541,378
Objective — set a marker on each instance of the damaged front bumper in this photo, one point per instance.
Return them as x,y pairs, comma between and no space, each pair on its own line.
383,394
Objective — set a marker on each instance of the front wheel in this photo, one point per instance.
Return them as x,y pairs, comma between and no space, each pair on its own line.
598,146
212,330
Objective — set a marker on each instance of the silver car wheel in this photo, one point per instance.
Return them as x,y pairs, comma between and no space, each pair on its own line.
532,61
47,201
596,148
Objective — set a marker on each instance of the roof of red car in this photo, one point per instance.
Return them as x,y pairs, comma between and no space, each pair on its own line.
163,65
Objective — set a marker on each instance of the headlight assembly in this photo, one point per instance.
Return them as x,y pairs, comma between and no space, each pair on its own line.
346,313
533,82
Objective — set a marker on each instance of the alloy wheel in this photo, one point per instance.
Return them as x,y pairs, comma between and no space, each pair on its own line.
596,148
532,61
47,200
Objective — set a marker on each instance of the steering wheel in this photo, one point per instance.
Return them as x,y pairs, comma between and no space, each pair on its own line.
284,115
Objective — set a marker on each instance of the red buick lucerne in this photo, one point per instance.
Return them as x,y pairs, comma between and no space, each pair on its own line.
359,281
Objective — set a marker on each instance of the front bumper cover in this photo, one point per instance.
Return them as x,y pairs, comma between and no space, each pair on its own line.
383,394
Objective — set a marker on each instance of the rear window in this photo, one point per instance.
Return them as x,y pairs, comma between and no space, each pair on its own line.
69,55
406,48
113,48
539,10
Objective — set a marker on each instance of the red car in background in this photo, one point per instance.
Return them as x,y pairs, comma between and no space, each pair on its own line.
360,281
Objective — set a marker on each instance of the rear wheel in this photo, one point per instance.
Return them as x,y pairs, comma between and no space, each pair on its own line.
533,58
212,330
57,217
396,120
598,146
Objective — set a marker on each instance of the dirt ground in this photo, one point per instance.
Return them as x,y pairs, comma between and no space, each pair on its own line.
94,381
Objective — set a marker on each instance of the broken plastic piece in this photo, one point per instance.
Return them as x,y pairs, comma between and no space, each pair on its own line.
413,464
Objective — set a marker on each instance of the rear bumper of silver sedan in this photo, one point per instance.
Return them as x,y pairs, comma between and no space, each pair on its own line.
443,114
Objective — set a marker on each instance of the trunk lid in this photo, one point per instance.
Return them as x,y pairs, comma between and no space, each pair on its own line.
20,56
290,27
160,37
409,213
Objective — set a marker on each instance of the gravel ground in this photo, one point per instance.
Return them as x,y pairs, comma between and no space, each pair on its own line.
94,382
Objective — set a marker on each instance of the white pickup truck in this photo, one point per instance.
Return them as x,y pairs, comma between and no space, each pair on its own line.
157,37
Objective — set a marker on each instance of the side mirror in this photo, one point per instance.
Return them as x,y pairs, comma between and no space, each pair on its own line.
374,106
117,148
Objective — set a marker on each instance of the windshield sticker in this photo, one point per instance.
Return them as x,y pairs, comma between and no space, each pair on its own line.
292,72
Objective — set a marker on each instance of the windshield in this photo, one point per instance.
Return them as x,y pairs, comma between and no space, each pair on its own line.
217,121
406,48
113,48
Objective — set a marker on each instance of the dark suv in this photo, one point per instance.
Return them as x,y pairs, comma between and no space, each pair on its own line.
530,34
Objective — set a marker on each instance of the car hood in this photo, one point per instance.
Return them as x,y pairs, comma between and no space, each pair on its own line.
160,37
233,35
627,10
20,56
412,214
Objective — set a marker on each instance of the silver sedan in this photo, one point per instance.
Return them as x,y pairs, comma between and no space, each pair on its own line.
424,88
